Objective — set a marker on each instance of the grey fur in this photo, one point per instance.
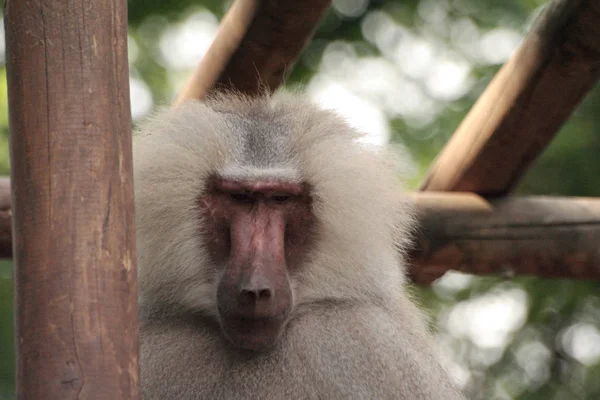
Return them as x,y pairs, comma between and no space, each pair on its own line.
353,333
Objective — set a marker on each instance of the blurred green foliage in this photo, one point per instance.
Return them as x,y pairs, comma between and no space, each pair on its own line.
568,167
7,352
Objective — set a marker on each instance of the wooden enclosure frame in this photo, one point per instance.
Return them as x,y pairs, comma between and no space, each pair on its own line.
72,200
70,128
519,113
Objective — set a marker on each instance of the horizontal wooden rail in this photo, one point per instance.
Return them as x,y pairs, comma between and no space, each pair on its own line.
257,43
541,236
525,104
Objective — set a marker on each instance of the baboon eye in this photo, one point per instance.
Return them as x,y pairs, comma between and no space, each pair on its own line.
281,198
241,197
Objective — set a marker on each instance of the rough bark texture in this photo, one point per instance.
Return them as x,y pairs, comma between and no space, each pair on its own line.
257,43
71,163
525,104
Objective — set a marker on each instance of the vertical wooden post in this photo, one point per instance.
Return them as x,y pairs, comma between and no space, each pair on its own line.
72,196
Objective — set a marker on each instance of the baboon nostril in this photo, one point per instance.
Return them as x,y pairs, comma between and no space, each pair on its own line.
249,295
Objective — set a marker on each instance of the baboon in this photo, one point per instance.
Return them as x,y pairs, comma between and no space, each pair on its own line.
271,247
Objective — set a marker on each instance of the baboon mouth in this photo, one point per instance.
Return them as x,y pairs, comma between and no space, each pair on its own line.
249,333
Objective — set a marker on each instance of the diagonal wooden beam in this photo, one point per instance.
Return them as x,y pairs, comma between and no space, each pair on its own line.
525,104
257,43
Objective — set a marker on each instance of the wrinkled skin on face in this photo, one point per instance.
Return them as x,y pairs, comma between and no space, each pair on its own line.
257,231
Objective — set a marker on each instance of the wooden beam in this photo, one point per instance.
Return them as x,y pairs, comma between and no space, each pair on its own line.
525,104
539,236
257,43
71,170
